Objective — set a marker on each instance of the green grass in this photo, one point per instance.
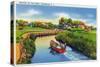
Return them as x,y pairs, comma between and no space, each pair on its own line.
28,43
29,46
26,29
86,35
76,29
84,42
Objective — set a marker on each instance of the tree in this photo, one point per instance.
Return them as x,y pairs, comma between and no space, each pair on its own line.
75,23
50,25
61,23
21,23
69,21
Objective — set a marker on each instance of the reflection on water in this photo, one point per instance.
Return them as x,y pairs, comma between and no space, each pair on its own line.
43,54
53,52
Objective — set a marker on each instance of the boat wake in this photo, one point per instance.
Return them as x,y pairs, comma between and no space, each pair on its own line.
74,55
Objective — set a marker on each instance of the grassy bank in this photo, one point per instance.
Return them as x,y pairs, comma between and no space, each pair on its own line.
19,33
27,50
84,42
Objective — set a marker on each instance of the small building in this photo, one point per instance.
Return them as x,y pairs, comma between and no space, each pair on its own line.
81,25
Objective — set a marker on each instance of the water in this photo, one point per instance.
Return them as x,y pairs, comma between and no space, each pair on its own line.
43,55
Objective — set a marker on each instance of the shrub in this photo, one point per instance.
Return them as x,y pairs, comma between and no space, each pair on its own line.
84,42
29,46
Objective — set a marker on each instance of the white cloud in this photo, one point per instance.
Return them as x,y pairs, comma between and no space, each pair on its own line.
29,13
62,14
90,15
75,15
89,22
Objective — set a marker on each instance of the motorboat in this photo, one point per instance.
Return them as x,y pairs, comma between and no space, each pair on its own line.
57,47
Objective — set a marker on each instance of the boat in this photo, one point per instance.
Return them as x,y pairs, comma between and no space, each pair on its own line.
57,47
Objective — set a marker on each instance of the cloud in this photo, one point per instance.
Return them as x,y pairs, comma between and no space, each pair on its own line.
90,16
75,15
29,13
87,21
61,14
68,15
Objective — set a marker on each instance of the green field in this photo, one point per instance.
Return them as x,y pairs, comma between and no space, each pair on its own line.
84,42
19,33
86,35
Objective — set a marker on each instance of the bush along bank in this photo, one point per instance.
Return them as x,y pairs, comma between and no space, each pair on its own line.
85,42
27,49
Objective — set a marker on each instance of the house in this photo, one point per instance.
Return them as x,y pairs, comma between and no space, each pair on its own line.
83,26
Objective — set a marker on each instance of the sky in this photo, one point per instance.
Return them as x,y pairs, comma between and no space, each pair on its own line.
53,13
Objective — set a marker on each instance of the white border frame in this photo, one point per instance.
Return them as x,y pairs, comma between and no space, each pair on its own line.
54,4
50,4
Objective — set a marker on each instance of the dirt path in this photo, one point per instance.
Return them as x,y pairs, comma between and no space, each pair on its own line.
18,52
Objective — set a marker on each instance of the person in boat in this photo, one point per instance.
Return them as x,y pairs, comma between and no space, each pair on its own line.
57,47
62,44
